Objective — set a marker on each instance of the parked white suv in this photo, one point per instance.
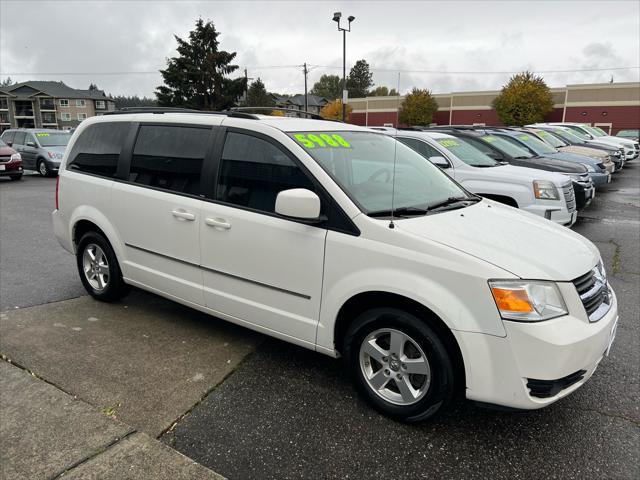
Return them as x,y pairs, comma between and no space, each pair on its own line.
341,240
547,194
598,136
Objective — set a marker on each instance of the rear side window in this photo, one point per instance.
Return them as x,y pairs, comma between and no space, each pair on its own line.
8,136
169,157
19,138
97,150
253,172
421,147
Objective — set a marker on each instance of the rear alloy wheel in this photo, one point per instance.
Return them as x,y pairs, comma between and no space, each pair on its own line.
399,364
43,169
98,268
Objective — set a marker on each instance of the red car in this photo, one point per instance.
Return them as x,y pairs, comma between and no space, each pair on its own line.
10,162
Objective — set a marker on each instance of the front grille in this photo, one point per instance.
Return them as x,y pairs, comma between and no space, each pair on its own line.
594,293
569,197
4,158
550,388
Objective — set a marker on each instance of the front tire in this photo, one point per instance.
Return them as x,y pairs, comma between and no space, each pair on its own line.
399,364
43,169
99,269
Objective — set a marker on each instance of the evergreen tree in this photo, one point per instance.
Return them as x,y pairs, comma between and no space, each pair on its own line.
257,95
418,108
198,76
360,80
329,87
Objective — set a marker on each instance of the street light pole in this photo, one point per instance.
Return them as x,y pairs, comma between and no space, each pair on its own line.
336,18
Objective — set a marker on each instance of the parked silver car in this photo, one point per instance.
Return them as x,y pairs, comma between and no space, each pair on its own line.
41,149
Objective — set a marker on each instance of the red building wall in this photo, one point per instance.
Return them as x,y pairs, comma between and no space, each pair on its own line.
621,117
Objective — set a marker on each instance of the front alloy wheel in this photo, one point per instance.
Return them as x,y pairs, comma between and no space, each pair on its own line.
394,366
42,168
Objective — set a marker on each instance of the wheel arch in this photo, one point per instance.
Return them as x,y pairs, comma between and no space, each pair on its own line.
504,199
364,301
85,219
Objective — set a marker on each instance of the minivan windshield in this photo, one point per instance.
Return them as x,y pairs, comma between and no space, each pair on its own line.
53,139
551,139
538,146
514,151
467,153
362,164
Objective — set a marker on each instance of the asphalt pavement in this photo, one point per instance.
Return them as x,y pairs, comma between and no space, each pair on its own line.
276,410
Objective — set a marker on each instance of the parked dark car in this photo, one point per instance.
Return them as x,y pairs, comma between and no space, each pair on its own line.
41,149
503,151
10,162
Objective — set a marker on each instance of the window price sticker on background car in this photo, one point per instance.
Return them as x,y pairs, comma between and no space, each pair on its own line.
42,134
321,140
448,143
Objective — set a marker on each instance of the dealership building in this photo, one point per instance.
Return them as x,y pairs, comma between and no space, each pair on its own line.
610,106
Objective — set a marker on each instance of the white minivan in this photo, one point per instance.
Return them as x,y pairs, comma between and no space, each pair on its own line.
341,240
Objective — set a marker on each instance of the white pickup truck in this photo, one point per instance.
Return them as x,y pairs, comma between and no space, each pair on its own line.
547,194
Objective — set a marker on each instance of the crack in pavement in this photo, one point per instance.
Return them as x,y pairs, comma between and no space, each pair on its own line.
99,451
618,416
35,375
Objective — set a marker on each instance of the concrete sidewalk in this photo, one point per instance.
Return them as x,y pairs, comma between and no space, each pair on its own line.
46,433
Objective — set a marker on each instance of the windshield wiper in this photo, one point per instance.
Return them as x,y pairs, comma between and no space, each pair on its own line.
449,202
400,212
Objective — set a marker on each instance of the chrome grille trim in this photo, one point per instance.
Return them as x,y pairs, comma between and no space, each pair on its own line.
594,293
569,196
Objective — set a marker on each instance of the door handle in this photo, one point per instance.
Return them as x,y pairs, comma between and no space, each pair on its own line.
217,223
183,214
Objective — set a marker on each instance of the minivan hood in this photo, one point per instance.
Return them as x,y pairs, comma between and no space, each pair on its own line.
527,246
56,148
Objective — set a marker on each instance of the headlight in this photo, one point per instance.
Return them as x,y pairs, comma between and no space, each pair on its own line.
14,157
545,190
55,155
527,301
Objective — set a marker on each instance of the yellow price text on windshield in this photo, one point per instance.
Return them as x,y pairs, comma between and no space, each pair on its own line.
321,140
42,134
448,143
523,137
489,139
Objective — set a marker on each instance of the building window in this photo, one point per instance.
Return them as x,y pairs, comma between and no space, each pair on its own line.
80,103
64,102
47,104
49,118
81,116
4,105
66,116
100,104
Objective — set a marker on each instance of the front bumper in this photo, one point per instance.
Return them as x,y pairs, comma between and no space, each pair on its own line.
499,369
11,169
600,178
584,194
556,212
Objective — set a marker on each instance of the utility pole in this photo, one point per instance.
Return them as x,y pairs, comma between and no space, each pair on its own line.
246,88
305,71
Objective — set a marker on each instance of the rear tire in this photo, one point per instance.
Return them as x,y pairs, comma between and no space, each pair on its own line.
99,269
399,364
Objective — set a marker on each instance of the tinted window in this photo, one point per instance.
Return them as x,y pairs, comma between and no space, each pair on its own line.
8,136
421,147
19,138
98,148
169,157
254,171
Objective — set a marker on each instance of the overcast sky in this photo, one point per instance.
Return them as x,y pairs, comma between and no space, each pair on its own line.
41,40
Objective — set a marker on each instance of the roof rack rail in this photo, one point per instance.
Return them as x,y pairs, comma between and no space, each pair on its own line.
161,110
313,116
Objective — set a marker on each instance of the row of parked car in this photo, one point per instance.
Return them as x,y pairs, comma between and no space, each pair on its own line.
548,169
32,149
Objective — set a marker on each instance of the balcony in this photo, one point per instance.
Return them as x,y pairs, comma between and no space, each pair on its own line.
47,104
49,118
24,108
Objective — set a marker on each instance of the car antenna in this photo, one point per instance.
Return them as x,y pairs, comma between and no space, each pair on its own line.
395,154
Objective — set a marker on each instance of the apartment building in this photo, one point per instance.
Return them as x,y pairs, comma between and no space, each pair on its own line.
44,104
610,106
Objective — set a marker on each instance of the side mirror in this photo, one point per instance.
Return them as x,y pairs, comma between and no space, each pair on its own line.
31,144
299,203
439,162
9,144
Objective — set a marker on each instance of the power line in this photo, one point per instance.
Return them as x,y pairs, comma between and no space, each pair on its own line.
312,67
